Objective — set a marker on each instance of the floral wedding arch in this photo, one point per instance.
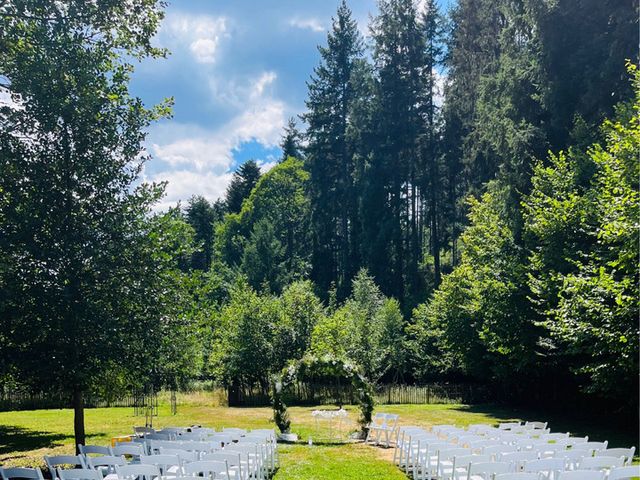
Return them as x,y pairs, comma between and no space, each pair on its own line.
311,367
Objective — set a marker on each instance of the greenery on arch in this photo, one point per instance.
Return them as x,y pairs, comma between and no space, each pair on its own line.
312,367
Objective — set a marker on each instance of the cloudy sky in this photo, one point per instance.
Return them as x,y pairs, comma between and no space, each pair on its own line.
237,72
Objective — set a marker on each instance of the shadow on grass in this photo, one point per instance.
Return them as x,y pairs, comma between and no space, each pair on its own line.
599,427
16,439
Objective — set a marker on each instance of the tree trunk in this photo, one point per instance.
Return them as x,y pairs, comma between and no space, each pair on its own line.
78,417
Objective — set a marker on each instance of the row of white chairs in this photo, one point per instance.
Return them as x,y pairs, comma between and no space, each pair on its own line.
240,455
484,452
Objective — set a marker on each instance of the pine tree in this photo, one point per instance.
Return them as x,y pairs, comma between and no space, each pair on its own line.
332,91
243,181
201,215
291,141
433,32
392,250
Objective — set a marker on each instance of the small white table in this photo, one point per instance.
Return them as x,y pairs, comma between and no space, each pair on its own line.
330,416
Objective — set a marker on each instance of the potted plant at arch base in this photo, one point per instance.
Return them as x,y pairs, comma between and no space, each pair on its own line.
281,416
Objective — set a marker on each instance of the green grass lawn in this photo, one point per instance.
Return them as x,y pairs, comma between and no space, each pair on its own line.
25,436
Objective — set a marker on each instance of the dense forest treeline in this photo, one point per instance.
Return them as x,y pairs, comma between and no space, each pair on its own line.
461,203
425,166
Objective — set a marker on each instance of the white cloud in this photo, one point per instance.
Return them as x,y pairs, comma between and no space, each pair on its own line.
268,164
200,33
182,184
266,79
200,160
312,24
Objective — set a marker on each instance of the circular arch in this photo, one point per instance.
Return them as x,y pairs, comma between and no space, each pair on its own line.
310,367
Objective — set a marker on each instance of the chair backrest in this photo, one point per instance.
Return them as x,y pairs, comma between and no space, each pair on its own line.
446,453
206,467
147,472
581,475
79,474
518,456
508,425
193,446
168,464
551,437
593,445
545,465
487,469
496,450
55,461
142,431
183,455
19,472
624,473
109,461
158,436
517,476
232,458
627,453
571,441
599,463
245,448
223,438
536,425
93,449
133,449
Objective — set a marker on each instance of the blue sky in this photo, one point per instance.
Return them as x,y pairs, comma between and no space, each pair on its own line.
237,72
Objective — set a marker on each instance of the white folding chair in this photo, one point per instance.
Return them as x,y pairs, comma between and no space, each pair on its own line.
463,463
600,463
16,473
250,457
486,470
185,456
517,459
626,453
134,472
547,468
595,446
79,474
131,451
624,473
233,459
446,463
169,465
87,450
535,425
236,433
496,450
571,441
53,462
581,475
423,456
573,457
106,464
